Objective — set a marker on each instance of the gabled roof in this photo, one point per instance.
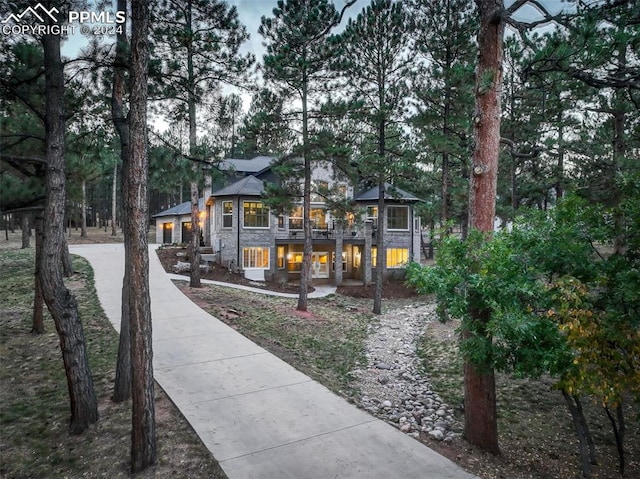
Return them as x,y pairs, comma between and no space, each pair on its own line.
181,209
390,193
247,186
254,165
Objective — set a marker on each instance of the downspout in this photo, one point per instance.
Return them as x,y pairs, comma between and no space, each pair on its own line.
238,237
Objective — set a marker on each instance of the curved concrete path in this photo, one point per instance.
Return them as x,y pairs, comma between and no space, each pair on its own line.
260,417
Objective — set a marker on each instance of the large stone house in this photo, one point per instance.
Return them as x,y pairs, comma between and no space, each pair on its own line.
244,234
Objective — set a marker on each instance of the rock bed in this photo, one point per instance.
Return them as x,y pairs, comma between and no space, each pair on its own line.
392,387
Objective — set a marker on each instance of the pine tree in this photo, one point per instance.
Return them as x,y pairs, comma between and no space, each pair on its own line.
197,46
373,58
296,62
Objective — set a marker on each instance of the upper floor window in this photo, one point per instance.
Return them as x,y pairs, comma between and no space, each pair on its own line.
398,217
227,214
256,214
295,218
320,191
318,218
372,215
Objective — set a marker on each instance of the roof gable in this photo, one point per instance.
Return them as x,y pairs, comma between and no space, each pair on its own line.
390,193
247,186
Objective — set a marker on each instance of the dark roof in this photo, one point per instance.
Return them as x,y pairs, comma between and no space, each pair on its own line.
181,209
254,165
247,186
390,193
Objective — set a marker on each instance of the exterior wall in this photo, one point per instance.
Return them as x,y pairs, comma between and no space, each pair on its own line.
176,228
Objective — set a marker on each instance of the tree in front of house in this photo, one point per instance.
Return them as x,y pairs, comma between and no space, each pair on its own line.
296,63
373,58
443,85
197,46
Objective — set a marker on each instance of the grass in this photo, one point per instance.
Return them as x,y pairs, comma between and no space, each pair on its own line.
34,403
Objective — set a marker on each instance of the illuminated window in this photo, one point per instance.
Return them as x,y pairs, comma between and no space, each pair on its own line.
372,215
318,218
294,261
255,258
374,256
397,217
256,214
397,257
227,214
295,218
280,257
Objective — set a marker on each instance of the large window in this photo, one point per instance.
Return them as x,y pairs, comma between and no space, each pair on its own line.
256,214
318,218
295,218
280,257
227,214
397,218
397,257
255,258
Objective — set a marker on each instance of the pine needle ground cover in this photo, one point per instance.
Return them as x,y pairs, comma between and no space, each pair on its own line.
34,403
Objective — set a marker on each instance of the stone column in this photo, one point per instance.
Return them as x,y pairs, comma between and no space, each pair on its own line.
366,260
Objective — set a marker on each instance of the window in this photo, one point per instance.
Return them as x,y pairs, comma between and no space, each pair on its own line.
256,214
372,215
255,258
320,191
397,217
318,218
280,222
344,261
295,218
280,257
294,261
227,214
397,257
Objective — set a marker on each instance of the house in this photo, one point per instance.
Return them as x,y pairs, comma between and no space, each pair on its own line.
245,234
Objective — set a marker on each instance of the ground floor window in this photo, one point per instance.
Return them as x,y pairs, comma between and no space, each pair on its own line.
344,261
280,257
397,257
255,258
294,261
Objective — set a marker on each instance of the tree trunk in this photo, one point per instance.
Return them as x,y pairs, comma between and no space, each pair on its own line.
37,326
194,277
114,191
587,449
305,271
143,436
619,430
67,265
26,231
59,300
381,256
481,426
122,384
83,212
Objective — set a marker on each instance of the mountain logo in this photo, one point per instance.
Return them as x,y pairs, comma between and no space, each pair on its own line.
39,12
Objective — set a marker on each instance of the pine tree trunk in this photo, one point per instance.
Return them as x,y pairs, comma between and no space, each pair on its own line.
382,253
122,384
83,212
194,279
143,435
305,271
481,427
59,300
37,326
26,231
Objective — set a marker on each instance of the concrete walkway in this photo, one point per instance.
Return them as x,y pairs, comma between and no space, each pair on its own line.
260,417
